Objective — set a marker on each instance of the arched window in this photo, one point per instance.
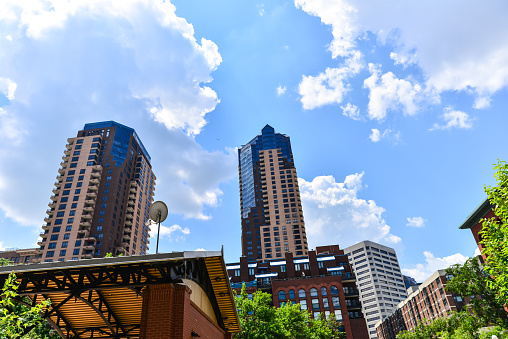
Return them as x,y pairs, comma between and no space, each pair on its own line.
313,292
282,295
301,293
323,291
334,290
291,294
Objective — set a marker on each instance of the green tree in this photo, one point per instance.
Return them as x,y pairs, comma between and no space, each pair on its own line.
4,262
495,233
17,319
260,320
471,280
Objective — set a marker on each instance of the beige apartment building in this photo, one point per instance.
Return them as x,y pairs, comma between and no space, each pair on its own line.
271,210
102,196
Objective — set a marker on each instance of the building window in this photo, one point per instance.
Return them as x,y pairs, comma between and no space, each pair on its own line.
76,251
301,293
251,270
297,267
325,303
334,290
282,295
283,268
62,252
323,291
315,304
66,236
306,266
303,304
237,273
54,237
64,244
291,294
313,292
50,254
336,302
52,245
78,243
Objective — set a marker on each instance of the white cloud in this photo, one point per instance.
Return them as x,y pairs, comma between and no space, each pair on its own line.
416,222
281,90
135,62
389,93
261,9
167,232
2,248
7,88
457,50
454,119
351,111
329,87
376,135
422,271
477,252
335,214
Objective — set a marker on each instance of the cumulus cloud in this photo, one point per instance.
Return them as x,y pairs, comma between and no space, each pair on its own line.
422,271
415,222
389,93
376,135
351,111
167,232
330,86
461,50
335,214
454,119
135,62
281,90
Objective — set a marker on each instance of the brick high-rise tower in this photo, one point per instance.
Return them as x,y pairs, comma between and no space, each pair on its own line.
102,197
272,216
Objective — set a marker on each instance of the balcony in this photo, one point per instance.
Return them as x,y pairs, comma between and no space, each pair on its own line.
134,184
85,224
127,230
126,236
41,243
63,164
88,247
95,175
130,210
52,205
90,202
46,227
133,190
132,196
131,202
96,168
58,184
44,235
128,223
68,146
61,171
83,233
129,216
120,249
59,177
87,256
50,212
86,216
88,209
54,197
91,195
93,188
94,181
47,219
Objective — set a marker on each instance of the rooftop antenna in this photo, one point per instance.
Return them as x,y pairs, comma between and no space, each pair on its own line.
158,213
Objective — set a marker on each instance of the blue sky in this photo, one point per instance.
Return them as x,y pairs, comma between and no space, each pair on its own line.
396,111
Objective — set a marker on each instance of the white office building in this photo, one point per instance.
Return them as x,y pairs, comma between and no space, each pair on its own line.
379,280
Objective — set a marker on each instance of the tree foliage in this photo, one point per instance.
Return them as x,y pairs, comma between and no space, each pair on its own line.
471,280
260,320
458,325
495,233
15,318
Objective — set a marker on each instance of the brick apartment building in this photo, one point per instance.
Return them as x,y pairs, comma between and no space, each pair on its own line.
20,256
474,221
429,300
322,282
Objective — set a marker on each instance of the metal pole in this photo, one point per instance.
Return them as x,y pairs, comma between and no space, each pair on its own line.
158,231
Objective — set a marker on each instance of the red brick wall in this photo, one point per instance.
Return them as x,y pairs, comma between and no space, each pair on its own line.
168,313
359,328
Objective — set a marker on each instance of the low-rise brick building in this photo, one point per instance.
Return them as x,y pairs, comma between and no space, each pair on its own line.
428,300
321,282
20,256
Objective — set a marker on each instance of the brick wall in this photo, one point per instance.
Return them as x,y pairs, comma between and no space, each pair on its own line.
168,313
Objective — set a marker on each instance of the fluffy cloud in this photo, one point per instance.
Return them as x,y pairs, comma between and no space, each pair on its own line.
415,222
422,271
135,62
457,50
389,93
330,86
335,214
167,232
351,111
454,119
281,90
376,135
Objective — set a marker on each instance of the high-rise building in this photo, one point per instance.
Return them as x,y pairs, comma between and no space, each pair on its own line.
379,280
102,196
272,216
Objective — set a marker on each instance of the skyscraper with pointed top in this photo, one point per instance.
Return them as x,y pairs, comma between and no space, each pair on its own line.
271,210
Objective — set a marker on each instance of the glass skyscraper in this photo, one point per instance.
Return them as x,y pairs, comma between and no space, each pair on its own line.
271,210
102,196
